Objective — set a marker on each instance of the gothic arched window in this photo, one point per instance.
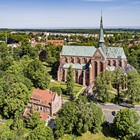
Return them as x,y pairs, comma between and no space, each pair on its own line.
119,63
95,68
85,60
109,62
114,63
78,60
66,59
101,66
72,60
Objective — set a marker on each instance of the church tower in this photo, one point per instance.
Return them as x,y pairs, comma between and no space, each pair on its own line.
101,42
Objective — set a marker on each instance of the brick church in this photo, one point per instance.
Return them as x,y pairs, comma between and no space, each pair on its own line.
89,61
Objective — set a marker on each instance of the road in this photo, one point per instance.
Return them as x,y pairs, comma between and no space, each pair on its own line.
108,108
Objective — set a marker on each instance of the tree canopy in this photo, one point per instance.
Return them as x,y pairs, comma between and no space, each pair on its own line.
41,132
77,117
126,123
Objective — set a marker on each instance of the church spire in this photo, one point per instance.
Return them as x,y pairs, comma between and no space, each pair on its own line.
101,42
101,35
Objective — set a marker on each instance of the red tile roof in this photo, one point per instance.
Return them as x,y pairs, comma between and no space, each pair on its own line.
42,97
56,42
43,115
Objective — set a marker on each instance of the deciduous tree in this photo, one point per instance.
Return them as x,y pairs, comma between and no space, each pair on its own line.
126,123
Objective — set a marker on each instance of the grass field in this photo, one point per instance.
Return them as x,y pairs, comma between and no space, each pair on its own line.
87,136
77,88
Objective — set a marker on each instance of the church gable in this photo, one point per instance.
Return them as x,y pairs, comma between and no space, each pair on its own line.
99,55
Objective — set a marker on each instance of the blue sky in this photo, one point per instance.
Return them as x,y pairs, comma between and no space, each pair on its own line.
68,13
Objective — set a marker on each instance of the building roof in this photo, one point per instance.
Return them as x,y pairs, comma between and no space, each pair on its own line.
78,51
115,52
56,42
43,115
42,97
75,66
88,51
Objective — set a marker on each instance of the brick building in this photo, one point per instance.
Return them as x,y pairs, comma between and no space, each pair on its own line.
89,61
45,102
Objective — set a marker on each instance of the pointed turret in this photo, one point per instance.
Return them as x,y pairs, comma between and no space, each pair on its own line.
101,42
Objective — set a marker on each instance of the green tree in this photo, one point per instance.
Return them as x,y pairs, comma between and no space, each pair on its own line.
118,80
103,86
126,123
33,120
3,50
18,126
5,131
77,117
41,132
38,74
70,80
6,62
133,84
16,100
58,90
28,50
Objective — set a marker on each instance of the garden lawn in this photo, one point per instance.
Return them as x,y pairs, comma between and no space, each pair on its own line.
77,87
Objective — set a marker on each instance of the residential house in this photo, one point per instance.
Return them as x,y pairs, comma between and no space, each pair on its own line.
46,102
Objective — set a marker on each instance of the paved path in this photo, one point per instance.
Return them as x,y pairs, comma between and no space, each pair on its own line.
114,107
80,91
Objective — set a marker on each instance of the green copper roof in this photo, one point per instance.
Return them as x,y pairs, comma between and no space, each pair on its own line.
88,51
78,51
115,52
101,35
75,66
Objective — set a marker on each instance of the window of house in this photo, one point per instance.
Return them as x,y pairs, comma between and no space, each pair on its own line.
41,108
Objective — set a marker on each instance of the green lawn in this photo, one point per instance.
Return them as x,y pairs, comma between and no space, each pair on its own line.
87,136
77,87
